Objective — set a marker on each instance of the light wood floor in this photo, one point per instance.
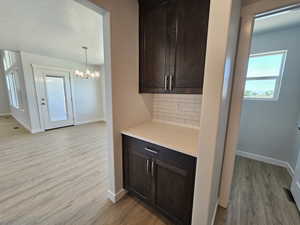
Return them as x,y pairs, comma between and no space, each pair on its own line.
60,178
258,197
9,127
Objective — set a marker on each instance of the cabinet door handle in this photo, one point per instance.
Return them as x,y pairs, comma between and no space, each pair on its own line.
150,150
152,169
171,83
147,166
166,82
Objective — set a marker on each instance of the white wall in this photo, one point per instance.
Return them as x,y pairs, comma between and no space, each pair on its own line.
220,56
128,107
229,63
296,143
88,100
268,127
4,102
87,97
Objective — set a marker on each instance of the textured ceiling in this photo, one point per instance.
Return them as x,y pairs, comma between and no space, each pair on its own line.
57,28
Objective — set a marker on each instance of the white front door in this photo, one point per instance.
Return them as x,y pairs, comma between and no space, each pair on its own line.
54,96
295,188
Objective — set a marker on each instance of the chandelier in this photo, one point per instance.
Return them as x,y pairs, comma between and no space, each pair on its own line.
87,73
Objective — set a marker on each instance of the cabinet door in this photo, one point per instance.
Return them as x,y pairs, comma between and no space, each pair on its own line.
154,46
174,188
191,39
138,175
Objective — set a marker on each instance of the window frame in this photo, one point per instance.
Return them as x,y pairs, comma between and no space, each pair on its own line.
9,59
11,73
277,78
12,86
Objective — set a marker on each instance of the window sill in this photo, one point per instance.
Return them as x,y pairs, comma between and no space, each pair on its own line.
261,99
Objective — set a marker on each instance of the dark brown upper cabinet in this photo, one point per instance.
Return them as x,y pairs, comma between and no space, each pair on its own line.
154,46
173,38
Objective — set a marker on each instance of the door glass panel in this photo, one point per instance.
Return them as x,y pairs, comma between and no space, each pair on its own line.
56,95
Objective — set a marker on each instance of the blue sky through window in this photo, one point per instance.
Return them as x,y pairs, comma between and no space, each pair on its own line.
265,65
264,71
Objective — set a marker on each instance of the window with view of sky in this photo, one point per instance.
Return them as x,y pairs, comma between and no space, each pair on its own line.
264,75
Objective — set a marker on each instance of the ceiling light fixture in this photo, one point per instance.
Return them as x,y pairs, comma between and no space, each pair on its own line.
87,74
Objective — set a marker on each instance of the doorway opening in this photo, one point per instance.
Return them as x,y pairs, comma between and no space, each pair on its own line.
266,139
55,125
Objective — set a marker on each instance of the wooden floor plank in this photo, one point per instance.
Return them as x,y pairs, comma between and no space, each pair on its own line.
258,197
60,178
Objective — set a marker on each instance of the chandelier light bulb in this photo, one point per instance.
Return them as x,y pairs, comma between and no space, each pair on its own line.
87,74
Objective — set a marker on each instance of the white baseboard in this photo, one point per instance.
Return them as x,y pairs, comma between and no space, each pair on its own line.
89,121
116,197
35,131
32,131
290,170
215,213
5,114
23,124
268,160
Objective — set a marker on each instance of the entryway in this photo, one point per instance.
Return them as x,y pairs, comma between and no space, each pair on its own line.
264,121
53,88
60,176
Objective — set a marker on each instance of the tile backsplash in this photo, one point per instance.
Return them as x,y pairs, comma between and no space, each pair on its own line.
177,108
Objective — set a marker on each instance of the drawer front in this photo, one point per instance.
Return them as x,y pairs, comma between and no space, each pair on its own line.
158,152
133,144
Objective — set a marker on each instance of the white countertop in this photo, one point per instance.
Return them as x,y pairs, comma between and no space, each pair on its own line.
178,138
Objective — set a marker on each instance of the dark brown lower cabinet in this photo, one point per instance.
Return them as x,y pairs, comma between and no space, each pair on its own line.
160,177
138,178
